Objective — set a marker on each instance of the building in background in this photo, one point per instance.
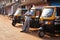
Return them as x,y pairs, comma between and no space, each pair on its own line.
12,8
9,6
39,4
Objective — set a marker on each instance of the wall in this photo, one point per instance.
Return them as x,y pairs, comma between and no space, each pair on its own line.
11,9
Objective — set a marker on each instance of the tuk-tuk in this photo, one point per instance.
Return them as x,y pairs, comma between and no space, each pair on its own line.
18,16
34,23
50,21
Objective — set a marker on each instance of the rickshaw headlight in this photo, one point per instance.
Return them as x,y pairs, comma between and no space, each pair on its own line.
47,22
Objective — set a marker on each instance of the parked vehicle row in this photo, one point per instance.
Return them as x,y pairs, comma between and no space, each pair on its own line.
46,19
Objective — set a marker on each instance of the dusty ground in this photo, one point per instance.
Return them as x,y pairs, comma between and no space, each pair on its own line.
8,32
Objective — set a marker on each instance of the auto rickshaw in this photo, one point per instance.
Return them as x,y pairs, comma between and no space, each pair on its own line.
34,23
18,16
50,21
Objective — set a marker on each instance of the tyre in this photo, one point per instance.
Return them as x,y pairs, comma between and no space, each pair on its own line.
41,33
13,23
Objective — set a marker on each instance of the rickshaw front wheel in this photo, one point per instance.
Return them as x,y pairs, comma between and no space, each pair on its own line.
13,23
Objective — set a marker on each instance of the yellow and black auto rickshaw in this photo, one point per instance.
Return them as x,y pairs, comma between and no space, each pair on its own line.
18,16
34,23
50,21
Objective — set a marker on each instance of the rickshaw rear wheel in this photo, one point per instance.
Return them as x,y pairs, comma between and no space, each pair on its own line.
41,34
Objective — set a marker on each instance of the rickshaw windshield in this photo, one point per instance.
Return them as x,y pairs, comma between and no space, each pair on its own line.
18,12
47,12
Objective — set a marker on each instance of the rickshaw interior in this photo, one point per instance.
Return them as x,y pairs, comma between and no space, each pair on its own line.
58,11
57,19
34,23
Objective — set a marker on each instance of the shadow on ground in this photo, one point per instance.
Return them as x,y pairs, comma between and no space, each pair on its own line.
46,37
18,26
35,33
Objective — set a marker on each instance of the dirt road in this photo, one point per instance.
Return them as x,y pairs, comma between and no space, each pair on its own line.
8,32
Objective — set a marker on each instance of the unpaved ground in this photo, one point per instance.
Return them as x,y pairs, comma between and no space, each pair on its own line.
8,32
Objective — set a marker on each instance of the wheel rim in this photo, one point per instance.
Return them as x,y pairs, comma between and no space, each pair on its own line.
13,24
41,34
